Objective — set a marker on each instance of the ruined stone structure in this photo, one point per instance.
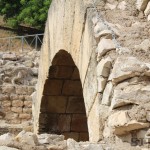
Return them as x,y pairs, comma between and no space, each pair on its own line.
114,80
18,77
94,76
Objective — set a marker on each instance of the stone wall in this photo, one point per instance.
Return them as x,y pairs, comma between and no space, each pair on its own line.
115,80
18,77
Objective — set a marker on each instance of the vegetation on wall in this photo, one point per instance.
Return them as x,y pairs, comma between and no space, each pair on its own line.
31,13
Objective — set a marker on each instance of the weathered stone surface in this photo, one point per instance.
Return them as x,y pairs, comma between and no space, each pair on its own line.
7,148
8,89
21,90
122,5
6,103
27,138
60,72
127,67
11,56
141,4
110,6
98,28
64,123
75,105
101,83
107,94
147,10
94,122
17,103
56,104
130,94
103,67
104,46
148,116
28,63
6,137
11,116
28,104
122,124
16,109
72,88
145,45
53,87
79,123
25,116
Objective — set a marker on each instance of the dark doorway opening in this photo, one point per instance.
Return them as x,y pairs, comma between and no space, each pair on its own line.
62,105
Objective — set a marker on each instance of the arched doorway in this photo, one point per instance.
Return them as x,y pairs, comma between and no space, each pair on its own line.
62,105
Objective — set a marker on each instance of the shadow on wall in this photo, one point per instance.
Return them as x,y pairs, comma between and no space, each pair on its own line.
62,106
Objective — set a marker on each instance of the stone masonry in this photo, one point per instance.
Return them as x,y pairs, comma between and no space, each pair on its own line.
18,77
115,80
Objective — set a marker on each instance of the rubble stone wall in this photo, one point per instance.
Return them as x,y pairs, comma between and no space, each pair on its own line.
18,77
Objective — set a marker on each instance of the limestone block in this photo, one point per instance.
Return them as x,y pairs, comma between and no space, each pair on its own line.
34,71
27,110
99,27
75,105
17,103
79,123
60,72
28,104
107,34
64,123
141,4
130,94
11,56
56,104
29,63
122,5
16,109
4,97
104,46
145,45
8,89
148,18
14,97
148,116
53,87
107,94
6,103
21,97
25,116
31,89
11,116
94,122
28,138
103,67
83,136
21,90
7,148
122,124
101,83
110,6
75,74
15,121
28,98
147,10
72,88
127,67
95,20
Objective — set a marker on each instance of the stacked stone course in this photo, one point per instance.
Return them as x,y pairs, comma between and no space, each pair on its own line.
18,77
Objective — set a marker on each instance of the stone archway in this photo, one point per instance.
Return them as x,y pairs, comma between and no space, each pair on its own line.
62,105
